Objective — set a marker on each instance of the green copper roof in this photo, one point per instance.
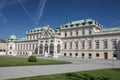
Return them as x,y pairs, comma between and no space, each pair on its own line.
44,28
12,37
39,28
80,21
89,20
110,29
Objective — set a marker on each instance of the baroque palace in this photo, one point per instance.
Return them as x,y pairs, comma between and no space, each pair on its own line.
80,39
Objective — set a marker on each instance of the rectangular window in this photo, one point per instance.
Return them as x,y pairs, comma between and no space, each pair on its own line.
90,44
83,55
90,55
71,45
64,54
114,55
76,33
26,46
83,45
97,44
76,54
97,55
76,45
65,45
90,32
105,44
18,46
33,46
65,34
70,54
114,44
83,32
70,33
29,46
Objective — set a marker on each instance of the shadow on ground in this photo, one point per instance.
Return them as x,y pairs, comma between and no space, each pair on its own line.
73,76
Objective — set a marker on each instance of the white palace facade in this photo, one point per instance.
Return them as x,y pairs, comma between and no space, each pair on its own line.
80,39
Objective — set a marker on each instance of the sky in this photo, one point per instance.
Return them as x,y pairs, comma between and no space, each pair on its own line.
19,16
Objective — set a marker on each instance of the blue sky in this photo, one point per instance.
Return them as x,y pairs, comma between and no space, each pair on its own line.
15,20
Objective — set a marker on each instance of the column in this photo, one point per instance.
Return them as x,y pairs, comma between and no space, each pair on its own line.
38,47
55,54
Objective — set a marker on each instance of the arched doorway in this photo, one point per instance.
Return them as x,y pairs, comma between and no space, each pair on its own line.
51,49
105,55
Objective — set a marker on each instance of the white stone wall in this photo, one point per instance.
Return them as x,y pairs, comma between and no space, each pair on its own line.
109,37
33,41
3,46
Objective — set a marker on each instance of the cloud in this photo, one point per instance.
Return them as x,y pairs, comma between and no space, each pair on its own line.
40,11
4,4
3,19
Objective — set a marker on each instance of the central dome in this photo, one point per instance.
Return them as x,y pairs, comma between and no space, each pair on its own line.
12,37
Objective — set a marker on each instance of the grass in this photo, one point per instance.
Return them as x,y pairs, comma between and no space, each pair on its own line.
102,74
15,61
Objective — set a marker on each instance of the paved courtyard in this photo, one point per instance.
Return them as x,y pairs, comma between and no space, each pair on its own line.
78,64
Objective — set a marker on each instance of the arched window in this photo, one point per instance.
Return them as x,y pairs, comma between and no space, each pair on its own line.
41,48
46,47
51,48
58,48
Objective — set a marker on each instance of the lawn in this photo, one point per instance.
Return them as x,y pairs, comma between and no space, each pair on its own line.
15,61
102,74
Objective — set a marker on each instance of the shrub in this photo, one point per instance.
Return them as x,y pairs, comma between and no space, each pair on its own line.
32,59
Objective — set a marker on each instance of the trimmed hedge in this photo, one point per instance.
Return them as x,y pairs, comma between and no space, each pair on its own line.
32,59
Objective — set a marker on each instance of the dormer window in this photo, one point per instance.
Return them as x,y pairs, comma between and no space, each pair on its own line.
37,30
77,24
41,29
34,30
66,26
58,33
83,23
31,31
71,25
90,22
